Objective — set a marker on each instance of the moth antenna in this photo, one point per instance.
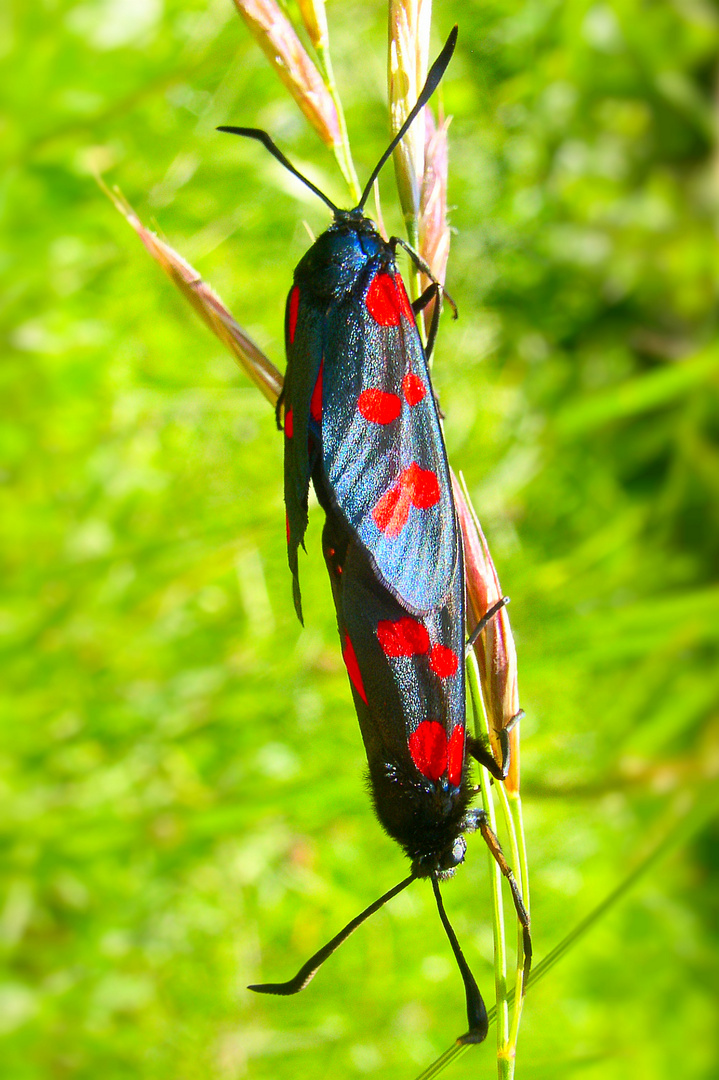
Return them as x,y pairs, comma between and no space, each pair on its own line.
476,1011
434,77
485,620
264,138
309,970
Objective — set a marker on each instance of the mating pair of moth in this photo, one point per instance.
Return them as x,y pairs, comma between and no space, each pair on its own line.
360,421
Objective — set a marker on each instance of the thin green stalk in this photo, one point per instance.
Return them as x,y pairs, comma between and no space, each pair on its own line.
518,849
703,807
505,1060
414,275
342,152
521,866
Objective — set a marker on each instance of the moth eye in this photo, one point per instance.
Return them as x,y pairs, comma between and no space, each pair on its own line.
459,850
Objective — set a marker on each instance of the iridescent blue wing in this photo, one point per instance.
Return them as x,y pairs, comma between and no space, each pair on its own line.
383,454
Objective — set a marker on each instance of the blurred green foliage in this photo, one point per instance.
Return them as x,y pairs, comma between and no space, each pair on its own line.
181,773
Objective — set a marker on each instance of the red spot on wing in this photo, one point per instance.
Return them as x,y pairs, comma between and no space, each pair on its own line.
350,659
392,510
428,747
383,301
289,424
404,299
424,485
316,400
293,306
287,528
405,637
379,407
443,661
413,487
413,388
455,755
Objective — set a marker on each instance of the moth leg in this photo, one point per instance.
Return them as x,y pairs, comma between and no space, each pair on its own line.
482,752
435,292
479,820
484,621
426,298
432,292
280,408
425,268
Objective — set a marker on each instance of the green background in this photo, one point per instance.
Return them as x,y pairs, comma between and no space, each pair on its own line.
181,774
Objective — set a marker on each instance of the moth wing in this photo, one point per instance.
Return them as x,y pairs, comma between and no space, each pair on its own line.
407,673
304,340
383,452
